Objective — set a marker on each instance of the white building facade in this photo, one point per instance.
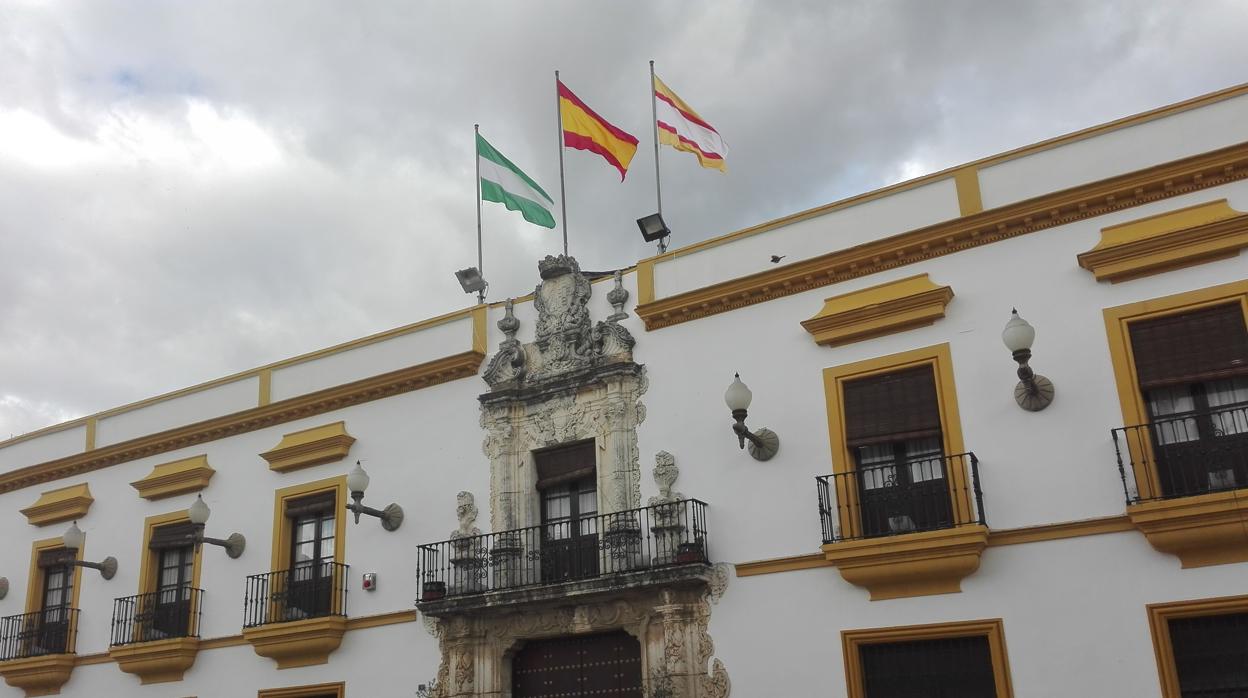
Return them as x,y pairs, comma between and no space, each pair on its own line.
580,519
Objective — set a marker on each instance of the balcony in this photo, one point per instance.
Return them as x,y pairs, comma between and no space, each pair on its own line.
660,543
155,636
37,649
297,617
905,529
1183,479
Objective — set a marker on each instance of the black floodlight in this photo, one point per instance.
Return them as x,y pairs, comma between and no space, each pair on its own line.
653,228
470,280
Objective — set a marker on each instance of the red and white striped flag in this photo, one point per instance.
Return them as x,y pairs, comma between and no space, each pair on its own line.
682,128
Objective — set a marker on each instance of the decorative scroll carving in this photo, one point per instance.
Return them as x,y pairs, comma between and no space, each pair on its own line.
509,364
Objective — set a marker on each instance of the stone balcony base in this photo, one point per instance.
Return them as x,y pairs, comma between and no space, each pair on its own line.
38,676
298,643
911,564
1208,529
159,661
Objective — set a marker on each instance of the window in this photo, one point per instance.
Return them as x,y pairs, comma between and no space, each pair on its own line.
1192,369
567,485
964,659
1181,364
168,608
324,690
897,453
50,633
308,550
1202,647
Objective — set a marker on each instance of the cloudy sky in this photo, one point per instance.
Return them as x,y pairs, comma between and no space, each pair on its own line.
190,189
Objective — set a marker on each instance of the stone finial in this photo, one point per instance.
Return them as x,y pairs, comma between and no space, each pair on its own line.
617,297
466,510
665,473
509,324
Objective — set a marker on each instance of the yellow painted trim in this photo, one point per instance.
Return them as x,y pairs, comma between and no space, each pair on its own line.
1159,617
34,581
149,560
266,387
298,643
982,163
480,332
327,400
1005,536
282,531
335,689
159,661
38,676
1060,208
993,629
1117,329
911,564
966,179
92,423
62,504
941,361
307,447
645,282
914,301
92,659
1172,240
175,477
222,642
381,619
1204,530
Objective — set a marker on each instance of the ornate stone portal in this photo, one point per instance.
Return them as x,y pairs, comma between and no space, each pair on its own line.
576,381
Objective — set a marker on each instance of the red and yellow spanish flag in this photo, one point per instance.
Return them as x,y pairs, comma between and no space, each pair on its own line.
583,129
681,127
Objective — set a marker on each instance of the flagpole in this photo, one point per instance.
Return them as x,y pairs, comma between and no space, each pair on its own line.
563,198
476,149
658,187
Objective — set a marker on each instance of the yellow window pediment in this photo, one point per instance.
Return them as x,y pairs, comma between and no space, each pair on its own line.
914,301
1193,235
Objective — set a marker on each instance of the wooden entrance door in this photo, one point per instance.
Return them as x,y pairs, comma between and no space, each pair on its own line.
597,666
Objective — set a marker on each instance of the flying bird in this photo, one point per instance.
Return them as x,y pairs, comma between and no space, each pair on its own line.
775,258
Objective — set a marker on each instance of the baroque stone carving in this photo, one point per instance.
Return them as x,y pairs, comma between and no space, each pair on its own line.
466,512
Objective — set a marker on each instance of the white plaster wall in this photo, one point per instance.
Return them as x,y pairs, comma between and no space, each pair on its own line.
427,344
906,210
1116,152
44,447
194,407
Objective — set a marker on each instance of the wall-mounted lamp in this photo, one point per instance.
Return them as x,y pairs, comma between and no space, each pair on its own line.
1033,392
471,281
73,540
198,514
764,443
357,481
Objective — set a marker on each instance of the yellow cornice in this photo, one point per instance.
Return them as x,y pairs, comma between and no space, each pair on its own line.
892,307
62,504
175,477
1204,530
386,385
159,661
298,643
38,676
1171,240
307,447
1151,184
911,564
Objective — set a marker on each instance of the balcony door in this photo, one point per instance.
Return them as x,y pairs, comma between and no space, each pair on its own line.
1192,369
50,634
310,579
567,485
893,431
169,613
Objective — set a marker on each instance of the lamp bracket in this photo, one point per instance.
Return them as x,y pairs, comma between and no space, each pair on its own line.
1034,395
764,445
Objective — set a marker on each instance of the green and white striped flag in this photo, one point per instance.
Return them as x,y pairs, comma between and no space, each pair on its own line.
504,183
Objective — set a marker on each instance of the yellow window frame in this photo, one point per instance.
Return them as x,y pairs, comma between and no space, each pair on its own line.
852,642
34,590
1159,617
834,378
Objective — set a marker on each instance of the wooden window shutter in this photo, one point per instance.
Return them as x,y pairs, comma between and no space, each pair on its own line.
1201,345
54,558
321,502
891,407
565,463
176,535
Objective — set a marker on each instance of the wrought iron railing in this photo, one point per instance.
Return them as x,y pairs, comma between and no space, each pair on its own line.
50,631
308,590
157,615
1186,455
624,541
923,494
